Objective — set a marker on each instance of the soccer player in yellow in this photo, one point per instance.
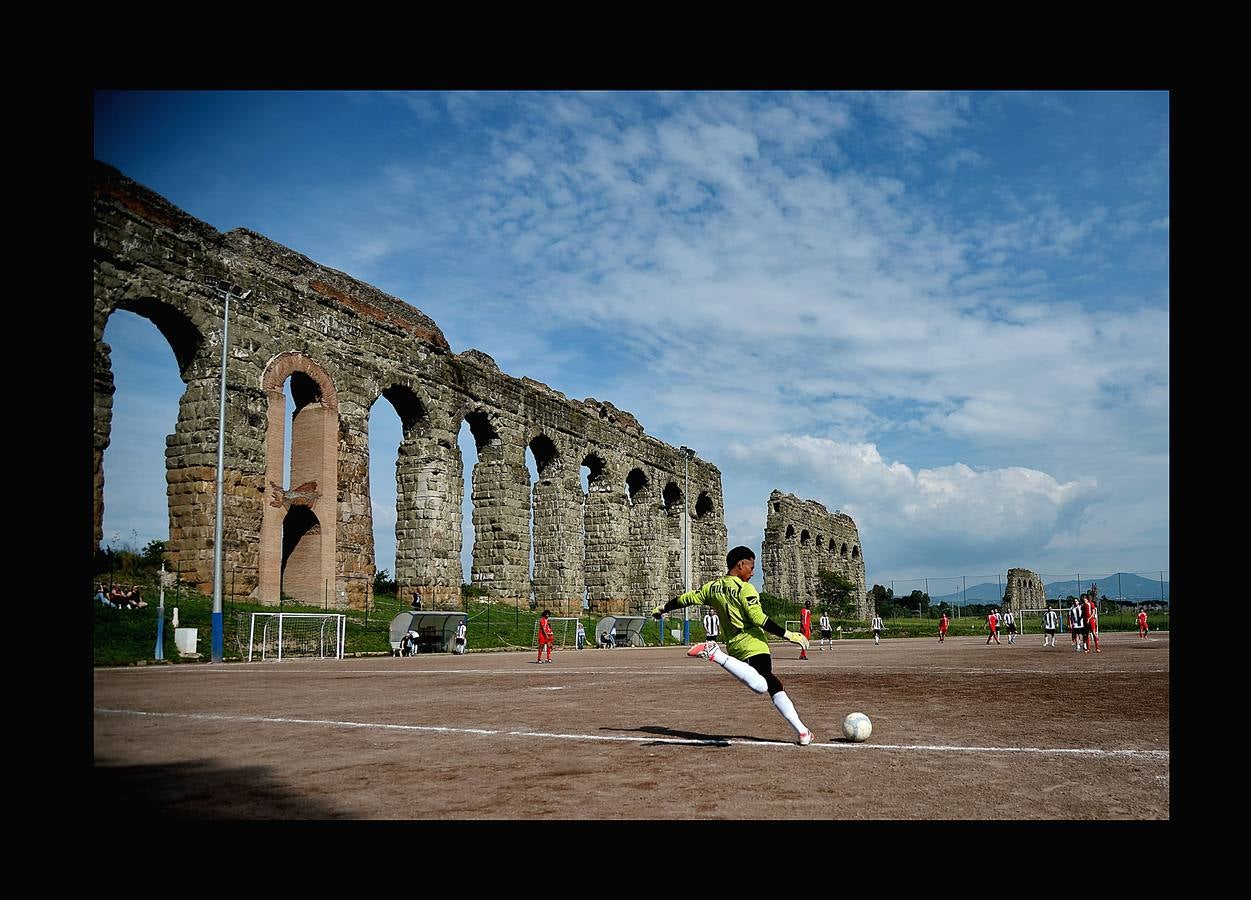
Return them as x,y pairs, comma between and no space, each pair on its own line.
744,625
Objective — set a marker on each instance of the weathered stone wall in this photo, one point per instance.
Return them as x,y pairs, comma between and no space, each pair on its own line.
343,345
801,538
1024,591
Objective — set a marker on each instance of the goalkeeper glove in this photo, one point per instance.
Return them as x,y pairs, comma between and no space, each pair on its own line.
796,639
657,611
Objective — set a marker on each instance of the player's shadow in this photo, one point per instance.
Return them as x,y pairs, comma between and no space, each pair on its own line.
715,740
199,790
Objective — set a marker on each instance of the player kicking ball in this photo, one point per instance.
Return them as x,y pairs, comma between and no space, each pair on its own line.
746,651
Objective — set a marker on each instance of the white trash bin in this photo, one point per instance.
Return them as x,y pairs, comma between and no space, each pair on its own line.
185,640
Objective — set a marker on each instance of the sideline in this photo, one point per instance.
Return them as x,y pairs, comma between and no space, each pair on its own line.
716,742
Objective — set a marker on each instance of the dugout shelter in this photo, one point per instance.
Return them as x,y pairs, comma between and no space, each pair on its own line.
435,630
629,630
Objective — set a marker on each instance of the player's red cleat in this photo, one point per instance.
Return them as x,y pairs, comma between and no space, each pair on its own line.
805,738
704,650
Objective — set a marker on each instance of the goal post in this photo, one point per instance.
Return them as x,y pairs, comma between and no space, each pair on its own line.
285,635
564,632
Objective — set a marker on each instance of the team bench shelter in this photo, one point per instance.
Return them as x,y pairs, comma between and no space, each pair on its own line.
435,630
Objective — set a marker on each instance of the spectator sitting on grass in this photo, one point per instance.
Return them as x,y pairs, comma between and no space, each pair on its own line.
136,601
118,597
100,595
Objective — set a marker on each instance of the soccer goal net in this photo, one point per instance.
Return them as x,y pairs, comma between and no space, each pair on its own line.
564,632
285,635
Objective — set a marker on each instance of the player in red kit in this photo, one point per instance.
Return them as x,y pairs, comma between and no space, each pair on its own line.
942,628
1142,623
545,636
805,626
992,621
1092,621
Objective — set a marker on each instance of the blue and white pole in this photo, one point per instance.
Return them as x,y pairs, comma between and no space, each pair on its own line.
160,620
226,292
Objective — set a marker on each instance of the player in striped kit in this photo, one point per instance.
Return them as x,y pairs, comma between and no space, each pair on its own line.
1077,625
1051,621
1009,625
827,632
746,653
877,630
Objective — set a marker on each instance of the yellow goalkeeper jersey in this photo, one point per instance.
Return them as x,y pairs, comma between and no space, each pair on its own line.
738,604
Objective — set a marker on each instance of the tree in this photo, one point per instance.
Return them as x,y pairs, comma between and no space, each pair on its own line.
917,601
838,591
154,553
384,584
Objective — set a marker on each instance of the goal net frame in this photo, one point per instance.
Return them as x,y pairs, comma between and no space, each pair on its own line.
563,638
289,634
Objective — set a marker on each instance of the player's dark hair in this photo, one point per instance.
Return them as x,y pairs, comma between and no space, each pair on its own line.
733,558
546,614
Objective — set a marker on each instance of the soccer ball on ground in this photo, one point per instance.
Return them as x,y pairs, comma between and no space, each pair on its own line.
857,727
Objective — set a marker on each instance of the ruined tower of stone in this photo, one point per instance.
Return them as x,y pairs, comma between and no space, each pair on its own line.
1024,591
801,538
343,345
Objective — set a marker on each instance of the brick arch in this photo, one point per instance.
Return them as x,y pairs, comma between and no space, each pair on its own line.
304,570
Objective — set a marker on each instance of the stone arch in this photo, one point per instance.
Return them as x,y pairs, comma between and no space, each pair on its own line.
303,570
185,339
501,503
843,552
188,344
820,542
424,502
790,532
804,538
556,505
605,532
671,499
855,552
636,485
704,507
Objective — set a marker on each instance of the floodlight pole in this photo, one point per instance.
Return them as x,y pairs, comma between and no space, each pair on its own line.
225,291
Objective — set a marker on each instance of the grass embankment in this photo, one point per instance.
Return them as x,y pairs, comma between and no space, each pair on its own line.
126,637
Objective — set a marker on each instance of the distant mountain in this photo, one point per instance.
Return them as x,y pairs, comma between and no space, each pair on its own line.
1131,587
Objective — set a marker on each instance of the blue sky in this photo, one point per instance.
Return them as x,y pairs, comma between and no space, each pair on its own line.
946,314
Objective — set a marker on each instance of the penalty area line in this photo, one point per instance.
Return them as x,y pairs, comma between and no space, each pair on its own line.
711,741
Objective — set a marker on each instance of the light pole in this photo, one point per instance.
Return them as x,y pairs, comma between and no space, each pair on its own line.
225,290
687,454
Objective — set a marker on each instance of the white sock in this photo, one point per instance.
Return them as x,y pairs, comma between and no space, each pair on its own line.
740,670
787,709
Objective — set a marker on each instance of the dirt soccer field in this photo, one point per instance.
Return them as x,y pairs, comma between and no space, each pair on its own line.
960,731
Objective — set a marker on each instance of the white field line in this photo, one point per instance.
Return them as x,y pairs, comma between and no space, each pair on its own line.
719,742
282,669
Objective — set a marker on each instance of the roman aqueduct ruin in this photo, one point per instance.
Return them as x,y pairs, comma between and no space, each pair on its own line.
344,346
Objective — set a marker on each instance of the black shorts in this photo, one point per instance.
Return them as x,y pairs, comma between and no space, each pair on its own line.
1011,629
1049,630
825,633
763,663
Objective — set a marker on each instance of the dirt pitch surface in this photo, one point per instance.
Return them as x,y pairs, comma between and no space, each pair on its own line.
961,730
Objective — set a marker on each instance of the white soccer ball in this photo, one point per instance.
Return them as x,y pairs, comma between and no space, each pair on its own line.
857,727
